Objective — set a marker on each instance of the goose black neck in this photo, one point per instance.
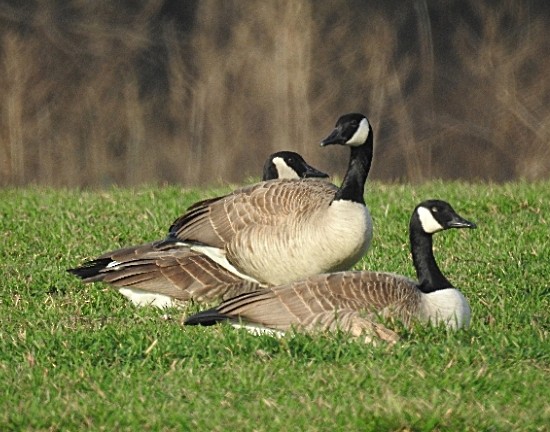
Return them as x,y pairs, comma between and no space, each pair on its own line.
429,276
270,172
353,186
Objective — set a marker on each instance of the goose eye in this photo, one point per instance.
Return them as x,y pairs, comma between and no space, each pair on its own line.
434,209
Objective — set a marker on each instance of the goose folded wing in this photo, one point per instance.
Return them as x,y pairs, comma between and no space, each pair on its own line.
320,301
215,222
167,268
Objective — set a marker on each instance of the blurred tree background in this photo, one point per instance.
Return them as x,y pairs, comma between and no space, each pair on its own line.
94,93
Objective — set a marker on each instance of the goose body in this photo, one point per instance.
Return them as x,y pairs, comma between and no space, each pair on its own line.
275,231
352,300
168,271
284,230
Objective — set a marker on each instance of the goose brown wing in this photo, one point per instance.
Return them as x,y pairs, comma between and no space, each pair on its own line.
215,222
166,268
319,299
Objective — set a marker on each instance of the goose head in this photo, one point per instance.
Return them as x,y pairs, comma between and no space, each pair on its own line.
351,130
289,165
435,215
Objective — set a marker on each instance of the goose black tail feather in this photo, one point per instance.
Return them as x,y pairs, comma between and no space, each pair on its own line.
90,269
207,318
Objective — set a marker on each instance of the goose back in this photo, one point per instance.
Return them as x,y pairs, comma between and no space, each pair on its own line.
327,301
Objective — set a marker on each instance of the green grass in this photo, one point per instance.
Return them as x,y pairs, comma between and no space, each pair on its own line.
79,357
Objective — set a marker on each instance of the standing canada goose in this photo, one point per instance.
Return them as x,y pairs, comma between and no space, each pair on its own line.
280,231
351,301
160,272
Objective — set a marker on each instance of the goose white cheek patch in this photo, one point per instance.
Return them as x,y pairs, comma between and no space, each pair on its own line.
284,171
360,135
428,222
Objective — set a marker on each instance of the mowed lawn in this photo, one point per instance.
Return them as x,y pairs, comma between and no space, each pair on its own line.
79,357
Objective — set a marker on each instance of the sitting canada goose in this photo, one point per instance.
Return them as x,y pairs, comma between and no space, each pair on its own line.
284,230
158,273
351,301
270,233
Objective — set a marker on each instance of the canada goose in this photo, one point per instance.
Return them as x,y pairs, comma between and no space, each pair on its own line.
289,165
158,273
280,231
351,300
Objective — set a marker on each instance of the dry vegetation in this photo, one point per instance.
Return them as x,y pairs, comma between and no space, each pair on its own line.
95,93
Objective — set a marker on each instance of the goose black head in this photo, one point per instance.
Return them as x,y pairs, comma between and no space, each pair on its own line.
351,129
436,215
289,165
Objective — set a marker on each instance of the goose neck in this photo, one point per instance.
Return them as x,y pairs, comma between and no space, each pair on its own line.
353,186
428,273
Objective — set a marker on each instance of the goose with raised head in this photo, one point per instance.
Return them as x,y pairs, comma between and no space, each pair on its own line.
270,233
352,301
166,272
280,231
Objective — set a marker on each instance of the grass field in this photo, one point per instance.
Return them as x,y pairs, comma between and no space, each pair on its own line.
79,357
